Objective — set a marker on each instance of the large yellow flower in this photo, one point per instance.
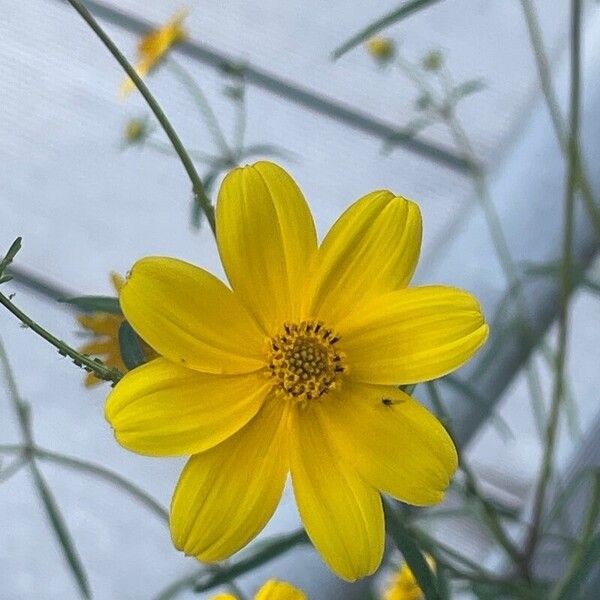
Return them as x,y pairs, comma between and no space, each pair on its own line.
294,369
272,590
154,45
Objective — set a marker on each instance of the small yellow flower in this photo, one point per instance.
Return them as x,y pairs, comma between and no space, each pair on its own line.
272,590
381,48
294,369
154,45
404,586
136,131
105,329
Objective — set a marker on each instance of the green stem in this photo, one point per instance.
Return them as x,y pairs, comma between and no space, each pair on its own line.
544,73
267,552
491,518
197,187
580,553
91,469
565,292
81,360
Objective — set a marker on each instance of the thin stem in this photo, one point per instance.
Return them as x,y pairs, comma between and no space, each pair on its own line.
491,518
197,187
18,463
90,468
580,553
544,73
566,287
268,551
203,104
81,360
197,155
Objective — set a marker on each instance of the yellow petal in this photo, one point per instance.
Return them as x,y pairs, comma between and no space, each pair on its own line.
342,514
395,443
279,590
226,495
163,409
189,316
266,239
412,335
373,248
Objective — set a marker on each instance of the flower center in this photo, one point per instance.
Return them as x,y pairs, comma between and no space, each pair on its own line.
304,360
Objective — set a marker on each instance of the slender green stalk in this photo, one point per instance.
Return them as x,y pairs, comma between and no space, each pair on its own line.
544,73
489,512
587,533
565,292
18,463
267,551
81,360
53,513
203,104
197,187
90,468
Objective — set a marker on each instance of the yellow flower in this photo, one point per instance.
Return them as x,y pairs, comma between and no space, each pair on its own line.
105,329
404,586
154,45
294,369
381,48
272,590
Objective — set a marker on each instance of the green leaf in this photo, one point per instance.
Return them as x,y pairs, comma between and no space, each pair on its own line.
130,345
469,87
106,304
396,15
259,554
12,251
412,554
62,533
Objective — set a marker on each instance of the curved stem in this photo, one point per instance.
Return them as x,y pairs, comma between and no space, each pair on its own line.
197,187
566,287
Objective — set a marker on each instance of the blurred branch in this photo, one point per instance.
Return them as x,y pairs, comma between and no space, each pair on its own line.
560,128
52,510
565,292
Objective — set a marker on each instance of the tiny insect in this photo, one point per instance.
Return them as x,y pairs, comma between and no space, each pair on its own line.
387,401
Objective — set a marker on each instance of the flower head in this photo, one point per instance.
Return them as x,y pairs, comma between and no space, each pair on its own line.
381,48
294,369
272,590
153,47
404,585
105,329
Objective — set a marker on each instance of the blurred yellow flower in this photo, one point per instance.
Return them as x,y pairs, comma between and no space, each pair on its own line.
294,368
272,590
136,131
404,586
154,45
381,48
105,329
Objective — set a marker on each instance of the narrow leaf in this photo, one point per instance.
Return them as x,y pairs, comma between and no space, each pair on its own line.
106,304
412,554
12,251
62,533
130,346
